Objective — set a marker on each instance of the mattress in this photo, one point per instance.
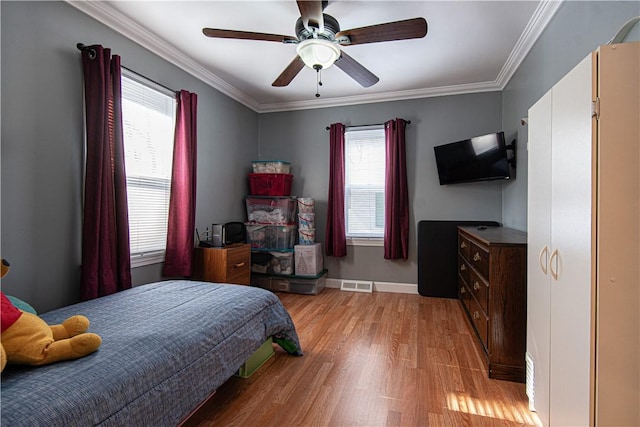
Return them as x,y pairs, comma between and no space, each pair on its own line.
165,347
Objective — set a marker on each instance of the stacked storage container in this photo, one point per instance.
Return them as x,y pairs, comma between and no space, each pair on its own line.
272,233
308,253
271,229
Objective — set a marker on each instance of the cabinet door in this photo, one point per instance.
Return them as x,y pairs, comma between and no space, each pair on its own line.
538,252
617,318
570,264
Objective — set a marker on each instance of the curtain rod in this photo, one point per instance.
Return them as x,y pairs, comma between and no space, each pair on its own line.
372,124
92,54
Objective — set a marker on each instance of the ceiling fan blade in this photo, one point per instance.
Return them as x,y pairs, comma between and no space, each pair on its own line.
289,73
356,70
400,30
247,35
311,11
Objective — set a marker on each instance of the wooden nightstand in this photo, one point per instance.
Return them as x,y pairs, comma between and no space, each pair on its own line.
230,264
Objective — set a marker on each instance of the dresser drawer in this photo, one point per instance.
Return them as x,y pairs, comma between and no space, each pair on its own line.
463,270
479,259
480,290
480,322
463,246
464,293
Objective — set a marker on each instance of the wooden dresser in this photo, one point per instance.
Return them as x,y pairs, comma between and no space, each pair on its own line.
492,272
230,264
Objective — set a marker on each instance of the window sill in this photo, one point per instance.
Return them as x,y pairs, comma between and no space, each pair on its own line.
140,260
365,241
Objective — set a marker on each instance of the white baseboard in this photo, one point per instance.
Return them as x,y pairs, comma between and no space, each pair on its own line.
399,288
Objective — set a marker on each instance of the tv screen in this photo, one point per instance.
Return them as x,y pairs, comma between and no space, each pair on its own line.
482,158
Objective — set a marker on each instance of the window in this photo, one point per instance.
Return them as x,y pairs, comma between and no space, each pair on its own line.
364,184
148,116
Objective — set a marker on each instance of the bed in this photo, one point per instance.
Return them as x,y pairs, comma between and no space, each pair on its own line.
166,347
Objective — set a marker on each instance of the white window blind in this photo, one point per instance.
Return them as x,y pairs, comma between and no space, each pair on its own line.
364,182
148,116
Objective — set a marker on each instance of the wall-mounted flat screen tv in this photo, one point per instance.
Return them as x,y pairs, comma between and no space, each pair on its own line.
483,158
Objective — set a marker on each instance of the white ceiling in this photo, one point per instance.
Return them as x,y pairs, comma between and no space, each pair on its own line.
470,46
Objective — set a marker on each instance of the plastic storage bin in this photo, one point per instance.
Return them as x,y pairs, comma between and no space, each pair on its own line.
292,284
308,286
271,237
271,166
270,184
272,262
306,204
257,359
306,220
275,284
271,210
307,236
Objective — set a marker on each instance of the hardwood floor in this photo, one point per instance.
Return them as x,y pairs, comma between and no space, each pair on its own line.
380,359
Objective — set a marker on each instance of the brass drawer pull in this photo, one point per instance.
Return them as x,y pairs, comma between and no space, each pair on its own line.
476,285
462,268
462,290
476,315
463,245
477,257
238,265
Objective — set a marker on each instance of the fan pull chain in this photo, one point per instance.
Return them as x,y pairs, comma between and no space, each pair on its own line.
318,80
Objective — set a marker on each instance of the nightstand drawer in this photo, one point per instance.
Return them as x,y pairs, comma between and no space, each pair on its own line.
231,264
239,265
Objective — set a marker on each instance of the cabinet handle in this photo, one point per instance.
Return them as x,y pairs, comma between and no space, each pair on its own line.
554,261
462,268
544,265
463,245
476,315
238,265
462,290
476,285
477,257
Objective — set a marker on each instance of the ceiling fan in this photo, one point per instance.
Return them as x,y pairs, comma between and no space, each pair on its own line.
319,41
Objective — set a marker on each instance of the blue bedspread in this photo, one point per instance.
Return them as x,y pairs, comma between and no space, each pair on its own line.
165,347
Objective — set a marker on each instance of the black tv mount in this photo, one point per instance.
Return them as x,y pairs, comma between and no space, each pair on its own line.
512,147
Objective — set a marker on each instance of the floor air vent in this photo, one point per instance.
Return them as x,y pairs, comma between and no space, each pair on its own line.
356,286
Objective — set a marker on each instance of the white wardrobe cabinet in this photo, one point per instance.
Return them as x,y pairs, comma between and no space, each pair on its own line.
583,258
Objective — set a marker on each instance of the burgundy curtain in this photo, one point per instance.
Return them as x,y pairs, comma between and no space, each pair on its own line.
182,204
106,263
396,193
336,239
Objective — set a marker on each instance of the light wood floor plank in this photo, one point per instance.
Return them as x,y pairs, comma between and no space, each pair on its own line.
379,359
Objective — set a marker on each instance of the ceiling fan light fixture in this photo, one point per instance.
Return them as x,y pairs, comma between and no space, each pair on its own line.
318,52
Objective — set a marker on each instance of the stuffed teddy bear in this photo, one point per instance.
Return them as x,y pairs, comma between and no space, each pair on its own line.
26,339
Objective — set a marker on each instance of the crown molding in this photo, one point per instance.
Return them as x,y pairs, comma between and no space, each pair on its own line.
381,97
102,12
543,14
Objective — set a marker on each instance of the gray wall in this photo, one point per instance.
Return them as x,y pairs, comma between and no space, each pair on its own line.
577,29
301,138
42,146
42,140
